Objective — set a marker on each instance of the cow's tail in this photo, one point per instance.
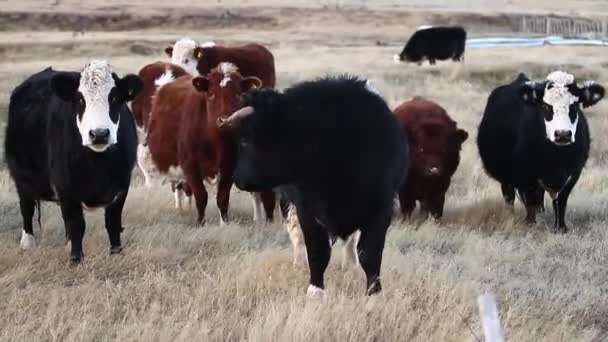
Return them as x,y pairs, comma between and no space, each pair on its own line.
164,79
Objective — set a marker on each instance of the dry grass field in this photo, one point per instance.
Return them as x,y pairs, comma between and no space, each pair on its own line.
179,282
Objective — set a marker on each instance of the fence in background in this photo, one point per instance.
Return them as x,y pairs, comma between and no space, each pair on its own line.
561,26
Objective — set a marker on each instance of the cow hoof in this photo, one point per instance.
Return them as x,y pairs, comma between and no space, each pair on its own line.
115,250
75,260
27,241
562,229
68,245
201,222
315,293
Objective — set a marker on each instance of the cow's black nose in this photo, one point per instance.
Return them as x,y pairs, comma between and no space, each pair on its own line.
99,135
563,135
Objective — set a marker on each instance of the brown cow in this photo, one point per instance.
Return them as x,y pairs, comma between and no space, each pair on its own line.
435,144
251,59
152,76
184,139
182,63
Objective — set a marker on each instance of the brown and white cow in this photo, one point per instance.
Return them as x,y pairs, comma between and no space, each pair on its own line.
155,74
184,139
251,60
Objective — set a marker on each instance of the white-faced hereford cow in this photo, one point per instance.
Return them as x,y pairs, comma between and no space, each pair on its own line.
341,153
534,138
71,138
251,60
184,139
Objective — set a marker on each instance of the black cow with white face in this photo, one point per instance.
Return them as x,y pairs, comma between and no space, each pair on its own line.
339,149
434,43
71,138
534,138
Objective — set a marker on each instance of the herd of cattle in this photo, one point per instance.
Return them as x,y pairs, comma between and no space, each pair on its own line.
330,149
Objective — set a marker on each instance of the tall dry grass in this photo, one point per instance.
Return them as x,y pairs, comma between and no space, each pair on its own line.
175,281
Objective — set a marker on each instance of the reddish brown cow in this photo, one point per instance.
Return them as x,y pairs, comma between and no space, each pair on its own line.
435,144
142,104
183,136
251,60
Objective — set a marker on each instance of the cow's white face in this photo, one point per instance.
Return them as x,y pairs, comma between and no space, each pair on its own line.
561,119
97,96
98,126
559,98
182,54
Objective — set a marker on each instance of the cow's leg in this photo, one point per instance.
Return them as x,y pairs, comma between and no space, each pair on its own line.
71,211
532,198
188,193
113,218
284,205
407,203
256,201
562,202
350,254
27,206
296,236
508,193
179,198
195,183
435,205
269,201
223,194
371,246
318,250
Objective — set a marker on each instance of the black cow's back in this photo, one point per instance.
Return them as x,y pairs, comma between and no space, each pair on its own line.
25,147
361,152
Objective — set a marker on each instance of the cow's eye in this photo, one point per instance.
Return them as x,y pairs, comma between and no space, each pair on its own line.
187,61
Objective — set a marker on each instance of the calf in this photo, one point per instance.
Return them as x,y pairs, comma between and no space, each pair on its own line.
534,137
435,144
183,137
341,151
71,138
434,43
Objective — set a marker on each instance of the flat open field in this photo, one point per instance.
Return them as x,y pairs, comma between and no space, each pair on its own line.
176,281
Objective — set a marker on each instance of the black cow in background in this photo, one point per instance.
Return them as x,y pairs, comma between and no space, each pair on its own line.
71,138
534,137
434,43
341,150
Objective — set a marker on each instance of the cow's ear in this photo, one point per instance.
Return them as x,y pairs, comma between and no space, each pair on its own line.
201,83
198,53
591,93
128,87
65,85
250,82
169,51
532,92
460,136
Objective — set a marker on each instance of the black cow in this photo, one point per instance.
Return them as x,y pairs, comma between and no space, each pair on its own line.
339,146
71,138
534,138
434,43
